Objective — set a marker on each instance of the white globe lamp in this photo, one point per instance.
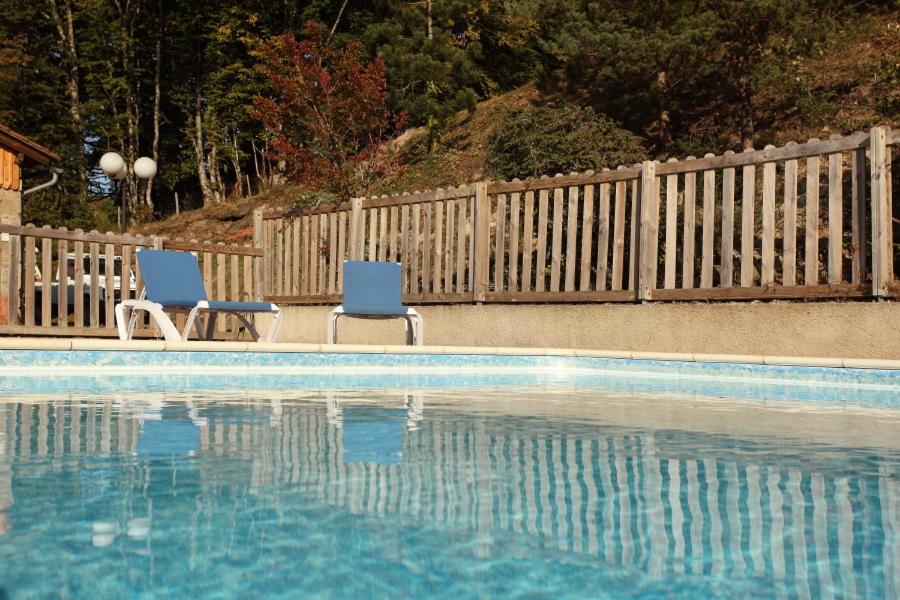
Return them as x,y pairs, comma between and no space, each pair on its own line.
112,164
122,174
145,167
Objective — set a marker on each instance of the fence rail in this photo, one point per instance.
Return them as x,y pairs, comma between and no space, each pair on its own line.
810,220
61,282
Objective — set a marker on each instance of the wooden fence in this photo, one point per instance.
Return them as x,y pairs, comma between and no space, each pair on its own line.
809,220
62,282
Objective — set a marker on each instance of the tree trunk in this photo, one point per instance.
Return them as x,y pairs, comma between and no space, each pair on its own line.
428,18
665,121
746,102
205,189
148,199
236,163
66,31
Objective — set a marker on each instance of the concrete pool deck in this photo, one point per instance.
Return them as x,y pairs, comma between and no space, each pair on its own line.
94,345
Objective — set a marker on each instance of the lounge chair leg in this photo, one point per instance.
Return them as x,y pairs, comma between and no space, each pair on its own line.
211,325
120,322
410,331
331,333
191,321
273,329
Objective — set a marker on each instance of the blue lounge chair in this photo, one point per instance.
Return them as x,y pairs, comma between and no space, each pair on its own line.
172,282
372,291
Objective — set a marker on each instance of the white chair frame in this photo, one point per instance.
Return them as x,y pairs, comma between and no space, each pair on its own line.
415,325
127,323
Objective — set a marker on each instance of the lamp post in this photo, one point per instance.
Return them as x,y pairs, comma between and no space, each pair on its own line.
114,166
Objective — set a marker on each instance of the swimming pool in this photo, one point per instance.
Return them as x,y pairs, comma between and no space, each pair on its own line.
442,483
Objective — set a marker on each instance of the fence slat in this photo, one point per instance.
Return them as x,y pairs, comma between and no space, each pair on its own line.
15,266
671,230
278,273
342,249
690,222
789,260
296,236
649,239
436,278
110,299
727,251
835,218
246,292
461,227
882,226
78,284
290,262
603,219
372,214
619,236
499,242
556,265
404,247
527,241
587,235
28,273
95,283
235,278
315,243
393,232
481,242
811,212
540,266
449,205
62,281
415,286
748,201
767,250
858,224
46,281
571,237
709,225
332,252
426,248
382,233
635,232
322,257
307,276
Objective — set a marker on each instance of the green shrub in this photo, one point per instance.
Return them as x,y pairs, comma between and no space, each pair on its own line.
558,138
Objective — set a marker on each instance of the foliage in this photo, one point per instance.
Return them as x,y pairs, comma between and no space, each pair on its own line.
329,113
558,139
177,78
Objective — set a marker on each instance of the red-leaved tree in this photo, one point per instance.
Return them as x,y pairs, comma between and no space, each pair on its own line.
328,113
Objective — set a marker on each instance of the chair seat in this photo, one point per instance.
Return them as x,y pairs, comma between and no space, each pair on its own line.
225,305
386,311
222,305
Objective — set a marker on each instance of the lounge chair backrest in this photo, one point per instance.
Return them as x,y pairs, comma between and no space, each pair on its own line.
171,278
372,288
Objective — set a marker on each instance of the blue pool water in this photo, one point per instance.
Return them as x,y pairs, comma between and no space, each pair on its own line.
226,487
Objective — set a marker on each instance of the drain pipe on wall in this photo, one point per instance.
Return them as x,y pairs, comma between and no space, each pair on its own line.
56,172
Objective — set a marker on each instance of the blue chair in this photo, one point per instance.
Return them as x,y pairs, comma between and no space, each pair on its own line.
173,283
372,291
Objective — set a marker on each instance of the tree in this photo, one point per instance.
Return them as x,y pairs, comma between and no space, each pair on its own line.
328,113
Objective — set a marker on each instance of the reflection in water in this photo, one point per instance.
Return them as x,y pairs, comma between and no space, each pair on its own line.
797,519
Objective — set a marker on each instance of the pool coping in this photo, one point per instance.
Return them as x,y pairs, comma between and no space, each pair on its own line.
87,344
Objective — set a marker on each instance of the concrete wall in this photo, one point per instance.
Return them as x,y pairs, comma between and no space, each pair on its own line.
831,329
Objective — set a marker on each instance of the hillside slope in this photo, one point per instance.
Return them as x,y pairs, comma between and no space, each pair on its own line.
852,84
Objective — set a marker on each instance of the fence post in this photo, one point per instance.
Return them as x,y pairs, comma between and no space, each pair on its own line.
882,268
482,236
648,236
259,264
357,236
